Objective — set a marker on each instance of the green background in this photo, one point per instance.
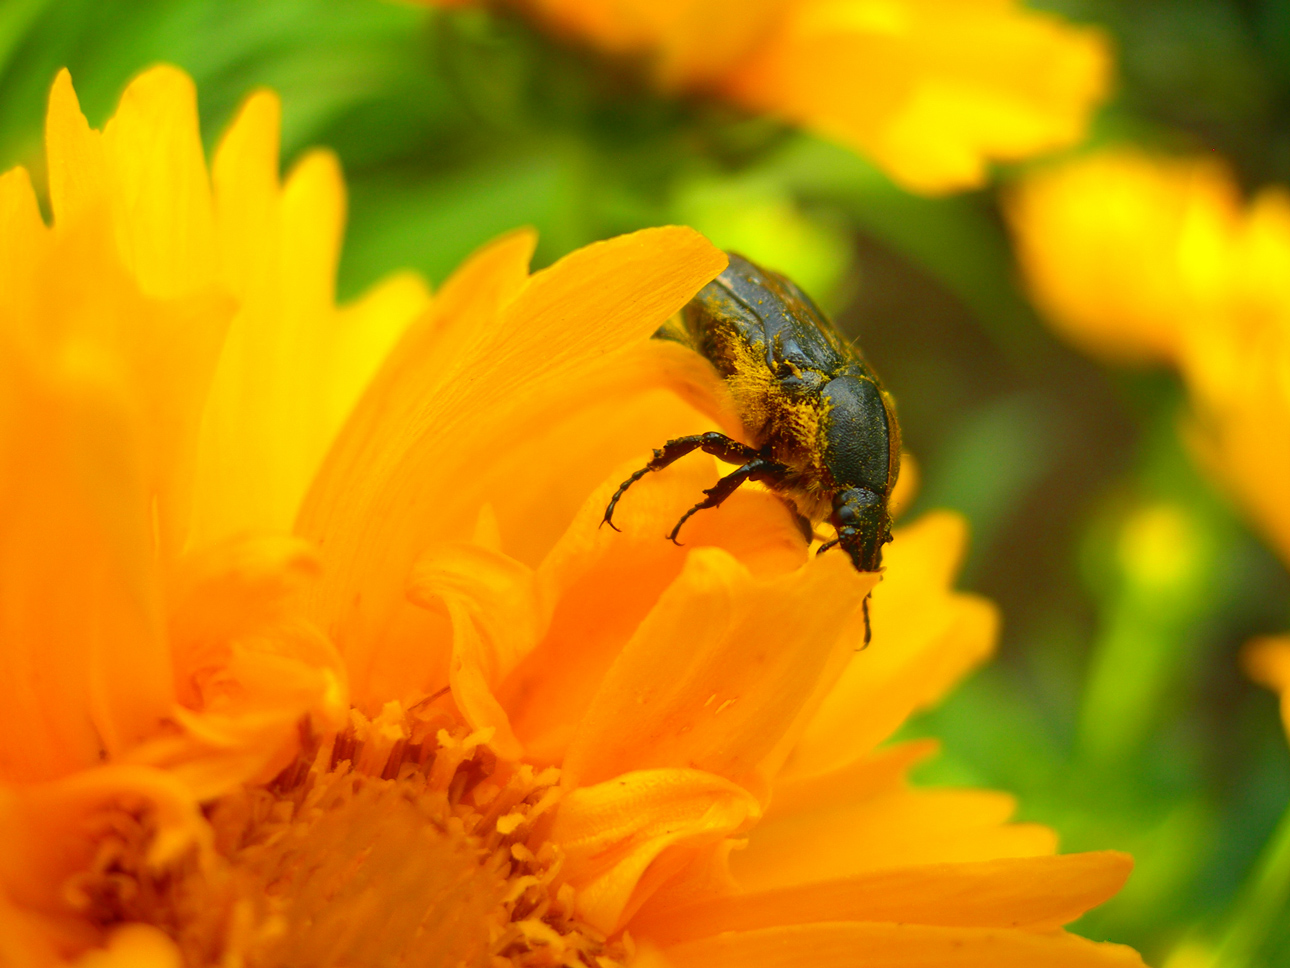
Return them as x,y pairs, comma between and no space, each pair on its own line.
1116,710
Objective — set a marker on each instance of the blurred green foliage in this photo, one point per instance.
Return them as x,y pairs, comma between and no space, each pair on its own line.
1116,710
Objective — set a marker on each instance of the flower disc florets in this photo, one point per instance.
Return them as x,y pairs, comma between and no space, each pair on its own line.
401,841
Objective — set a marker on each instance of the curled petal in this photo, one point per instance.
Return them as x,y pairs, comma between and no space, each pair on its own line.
269,689
613,832
498,615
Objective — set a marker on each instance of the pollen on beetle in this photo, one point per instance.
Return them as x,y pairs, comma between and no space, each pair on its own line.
399,842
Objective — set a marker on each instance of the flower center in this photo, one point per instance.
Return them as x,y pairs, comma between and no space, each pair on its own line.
375,850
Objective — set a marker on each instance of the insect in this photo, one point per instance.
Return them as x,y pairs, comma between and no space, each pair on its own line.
821,431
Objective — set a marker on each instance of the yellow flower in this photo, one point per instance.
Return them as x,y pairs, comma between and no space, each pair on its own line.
931,90
1267,662
444,718
1139,258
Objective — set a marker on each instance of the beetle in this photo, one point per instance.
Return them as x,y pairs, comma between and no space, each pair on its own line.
821,431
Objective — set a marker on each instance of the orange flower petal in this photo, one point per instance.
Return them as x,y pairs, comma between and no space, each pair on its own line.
366,330
139,193
708,688
161,194
1233,423
85,665
244,175
925,638
1033,892
406,666
293,364
612,832
898,946
24,243
29,940
239,477
880,772
901,828
77,165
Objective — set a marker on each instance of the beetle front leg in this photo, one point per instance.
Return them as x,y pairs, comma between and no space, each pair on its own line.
718,445
757,469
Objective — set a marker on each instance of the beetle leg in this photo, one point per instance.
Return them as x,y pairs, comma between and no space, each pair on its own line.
622,489
718,445
757,469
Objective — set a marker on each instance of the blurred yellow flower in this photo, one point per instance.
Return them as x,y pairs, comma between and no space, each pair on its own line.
1267,662
443,718
1143,259
931,90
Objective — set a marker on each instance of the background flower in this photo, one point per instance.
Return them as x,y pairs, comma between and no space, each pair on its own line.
931,91
1155,259
1150,259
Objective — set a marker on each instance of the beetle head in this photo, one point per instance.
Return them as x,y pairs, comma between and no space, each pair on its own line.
863,526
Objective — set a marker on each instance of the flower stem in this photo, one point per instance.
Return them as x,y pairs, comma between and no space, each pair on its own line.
1260,906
